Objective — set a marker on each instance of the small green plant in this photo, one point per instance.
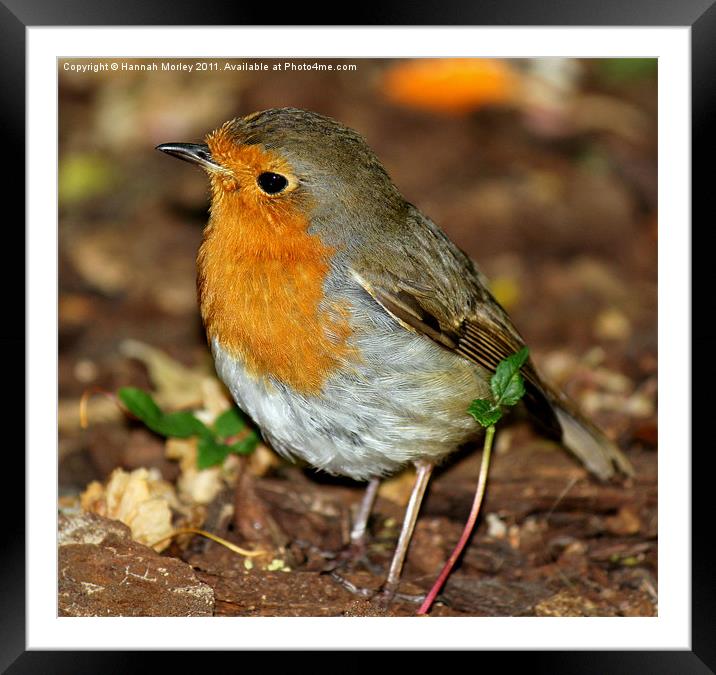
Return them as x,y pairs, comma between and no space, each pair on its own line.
507,388
215,443
616,71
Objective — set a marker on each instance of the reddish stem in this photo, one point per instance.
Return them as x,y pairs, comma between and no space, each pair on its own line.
477,502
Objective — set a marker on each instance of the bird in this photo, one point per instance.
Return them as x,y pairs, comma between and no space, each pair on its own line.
344,321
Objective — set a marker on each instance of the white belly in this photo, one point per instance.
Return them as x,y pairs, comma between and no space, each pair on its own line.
406,400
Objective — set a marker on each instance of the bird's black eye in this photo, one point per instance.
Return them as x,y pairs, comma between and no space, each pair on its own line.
272,183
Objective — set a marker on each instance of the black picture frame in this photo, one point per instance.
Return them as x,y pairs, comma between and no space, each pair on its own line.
17,15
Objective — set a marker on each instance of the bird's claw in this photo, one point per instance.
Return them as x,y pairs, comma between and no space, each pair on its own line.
350,586
382,596
351,557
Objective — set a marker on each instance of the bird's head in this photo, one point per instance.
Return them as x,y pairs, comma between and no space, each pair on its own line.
287,169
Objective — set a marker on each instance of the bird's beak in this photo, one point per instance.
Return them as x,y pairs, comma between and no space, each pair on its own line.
196,153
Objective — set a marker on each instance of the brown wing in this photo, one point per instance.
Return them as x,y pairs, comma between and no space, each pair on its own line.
429,286
484,337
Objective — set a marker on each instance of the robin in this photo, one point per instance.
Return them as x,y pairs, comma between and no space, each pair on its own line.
343,320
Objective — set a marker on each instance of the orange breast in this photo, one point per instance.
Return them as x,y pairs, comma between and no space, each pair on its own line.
261,279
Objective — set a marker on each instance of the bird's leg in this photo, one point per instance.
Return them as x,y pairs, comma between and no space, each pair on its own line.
355,552
425,470
360,525
389,588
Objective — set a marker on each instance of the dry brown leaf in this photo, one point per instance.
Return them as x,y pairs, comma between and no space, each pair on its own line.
140,499
214,396
195,486
98,259
262,460
625,522
176,385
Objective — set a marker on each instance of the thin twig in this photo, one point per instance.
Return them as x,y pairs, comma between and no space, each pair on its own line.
84,401
562,495
213,537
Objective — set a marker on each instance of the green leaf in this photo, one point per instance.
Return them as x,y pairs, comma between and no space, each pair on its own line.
210,453
245,446
181,424
184,424
506,384
485,412
229,423
507,388
140,404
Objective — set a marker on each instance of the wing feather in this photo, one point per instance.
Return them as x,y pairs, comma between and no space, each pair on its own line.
477,339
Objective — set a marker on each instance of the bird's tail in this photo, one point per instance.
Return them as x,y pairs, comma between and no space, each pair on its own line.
597,452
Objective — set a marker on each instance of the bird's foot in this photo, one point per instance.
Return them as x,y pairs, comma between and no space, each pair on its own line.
352,557
350,586
382,596
386,595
